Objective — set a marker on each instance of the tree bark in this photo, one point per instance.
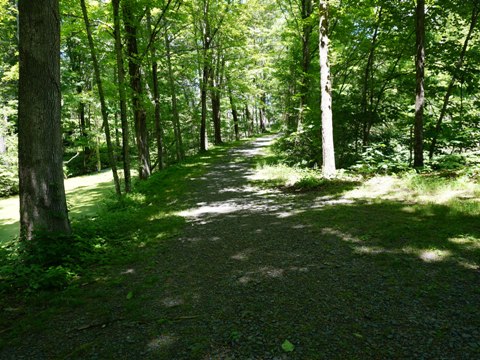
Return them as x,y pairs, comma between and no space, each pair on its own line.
443,112
156,98
307,9
262,112
216,82
139,113
420,91
123,96
328,158
367,84
101,94
234,112
175,114
43,205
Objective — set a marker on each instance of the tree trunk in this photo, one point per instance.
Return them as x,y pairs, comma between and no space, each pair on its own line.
368,86
262,112
203,100
234,113
43,205
420,91
101,94
175,114
139,113
123,97
217,121
443,112
206,41
307,9
250,121
328,158
156,97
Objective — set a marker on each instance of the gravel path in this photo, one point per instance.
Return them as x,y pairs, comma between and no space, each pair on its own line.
252,269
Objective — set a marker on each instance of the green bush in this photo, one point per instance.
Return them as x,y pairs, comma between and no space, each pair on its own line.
381,158
8,180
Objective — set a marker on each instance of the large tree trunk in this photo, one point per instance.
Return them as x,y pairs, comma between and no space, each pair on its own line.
123,96
43,206
139,113
443,111
101,94
175,114
328,158
420,91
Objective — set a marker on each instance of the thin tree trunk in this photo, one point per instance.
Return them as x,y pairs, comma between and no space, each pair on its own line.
206,39
156,97
367,86
139,113
176,116
101,94
43,205
262,112
328,158
234,112
443,112
216,80
203,99
307,9
250,121
123,96
420,91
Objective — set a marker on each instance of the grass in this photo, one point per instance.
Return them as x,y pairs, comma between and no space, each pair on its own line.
347,268
84,198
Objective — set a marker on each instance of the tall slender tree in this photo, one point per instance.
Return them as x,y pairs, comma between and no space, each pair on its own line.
122,95
420,91
134,70
101,95
459,64
43,204
328,152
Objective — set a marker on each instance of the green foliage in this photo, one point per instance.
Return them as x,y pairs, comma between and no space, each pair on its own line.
287,346
381,158
8,180
300,149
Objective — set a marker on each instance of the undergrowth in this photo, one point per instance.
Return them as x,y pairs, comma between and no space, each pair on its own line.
119,232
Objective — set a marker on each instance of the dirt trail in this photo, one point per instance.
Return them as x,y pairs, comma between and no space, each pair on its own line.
252,269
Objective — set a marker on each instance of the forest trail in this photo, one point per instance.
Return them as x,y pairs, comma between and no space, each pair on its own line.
254,268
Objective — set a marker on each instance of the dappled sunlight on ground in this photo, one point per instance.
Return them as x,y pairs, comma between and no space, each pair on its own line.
331,269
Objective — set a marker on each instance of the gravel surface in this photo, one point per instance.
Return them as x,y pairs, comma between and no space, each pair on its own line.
256,267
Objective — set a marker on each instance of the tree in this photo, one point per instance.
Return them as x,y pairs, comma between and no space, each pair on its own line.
328,158
459,64
43,204
134,70
420,91
122,95
101,95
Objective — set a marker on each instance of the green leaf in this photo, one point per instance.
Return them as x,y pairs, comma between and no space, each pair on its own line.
287,346
129,295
